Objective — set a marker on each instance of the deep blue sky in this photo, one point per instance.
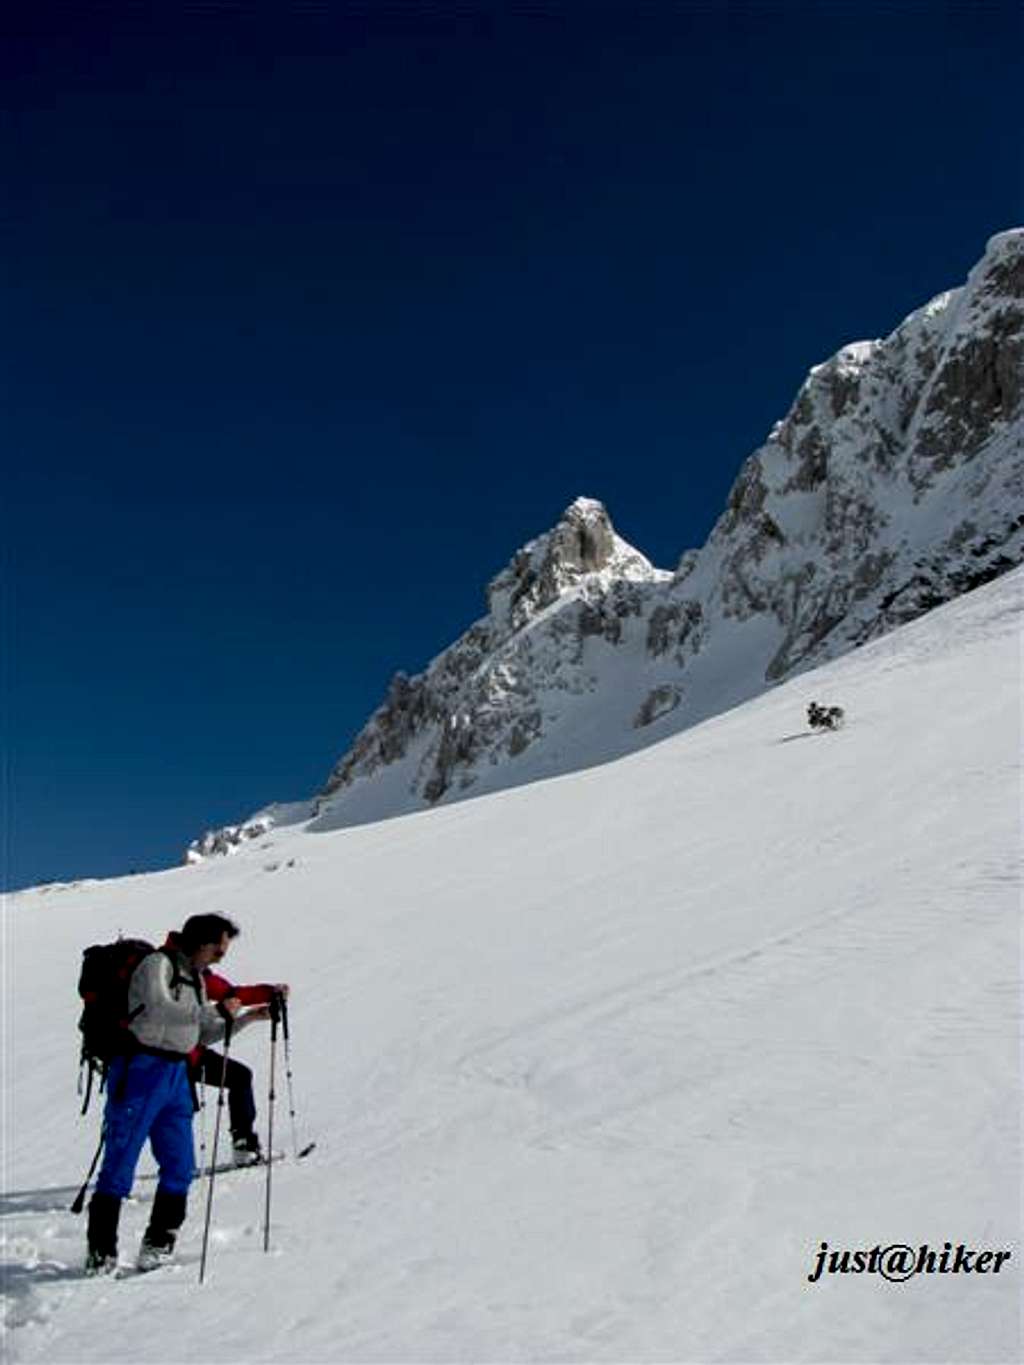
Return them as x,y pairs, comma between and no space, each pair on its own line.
314,314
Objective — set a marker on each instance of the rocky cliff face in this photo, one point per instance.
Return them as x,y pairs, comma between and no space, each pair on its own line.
483,701
894,482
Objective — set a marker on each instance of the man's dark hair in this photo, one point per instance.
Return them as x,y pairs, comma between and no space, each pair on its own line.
202,929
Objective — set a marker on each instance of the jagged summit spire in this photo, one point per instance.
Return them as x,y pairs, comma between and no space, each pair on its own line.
581,544
584,537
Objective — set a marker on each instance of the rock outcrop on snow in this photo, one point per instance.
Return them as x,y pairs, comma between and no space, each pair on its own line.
231,838
894,483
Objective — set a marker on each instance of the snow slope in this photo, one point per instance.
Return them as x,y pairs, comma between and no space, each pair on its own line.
595,1065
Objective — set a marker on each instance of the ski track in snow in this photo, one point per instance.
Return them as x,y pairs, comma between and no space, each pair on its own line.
595,1065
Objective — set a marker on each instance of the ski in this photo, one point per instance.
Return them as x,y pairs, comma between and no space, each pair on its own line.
226,1167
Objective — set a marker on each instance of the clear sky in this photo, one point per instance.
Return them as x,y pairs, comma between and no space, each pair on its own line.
314,314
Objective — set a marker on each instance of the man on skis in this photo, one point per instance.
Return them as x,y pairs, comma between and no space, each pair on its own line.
208,1068
148,1090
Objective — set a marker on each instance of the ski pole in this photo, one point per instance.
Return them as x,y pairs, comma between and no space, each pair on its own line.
79,1201
288,1072
201,1101
275,1015
305,1151
229,1025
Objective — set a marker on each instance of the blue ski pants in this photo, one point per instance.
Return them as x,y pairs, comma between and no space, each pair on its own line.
147,1097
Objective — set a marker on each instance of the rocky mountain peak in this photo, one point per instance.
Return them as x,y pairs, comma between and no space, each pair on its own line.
894,482
583,544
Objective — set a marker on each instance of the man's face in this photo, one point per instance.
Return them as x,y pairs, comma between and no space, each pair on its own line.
210,953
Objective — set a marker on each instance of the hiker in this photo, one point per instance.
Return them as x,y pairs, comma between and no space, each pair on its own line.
208,1068
148,1091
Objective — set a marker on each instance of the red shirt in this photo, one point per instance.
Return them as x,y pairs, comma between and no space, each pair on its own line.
219,988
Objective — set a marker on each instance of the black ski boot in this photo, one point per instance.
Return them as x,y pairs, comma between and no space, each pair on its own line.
104,1213
158,1241
245,1150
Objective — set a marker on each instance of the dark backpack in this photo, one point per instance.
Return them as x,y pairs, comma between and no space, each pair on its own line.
103,985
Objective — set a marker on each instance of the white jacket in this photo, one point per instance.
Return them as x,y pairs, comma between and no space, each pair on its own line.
168,1006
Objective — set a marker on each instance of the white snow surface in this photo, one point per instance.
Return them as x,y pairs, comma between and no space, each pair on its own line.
595,1065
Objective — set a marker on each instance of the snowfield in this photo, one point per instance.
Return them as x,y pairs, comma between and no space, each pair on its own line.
595,1065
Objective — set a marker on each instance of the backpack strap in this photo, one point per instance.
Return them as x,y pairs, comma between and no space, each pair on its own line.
179,979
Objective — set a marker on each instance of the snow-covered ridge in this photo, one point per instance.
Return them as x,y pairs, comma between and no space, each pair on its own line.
593,1066
894,483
